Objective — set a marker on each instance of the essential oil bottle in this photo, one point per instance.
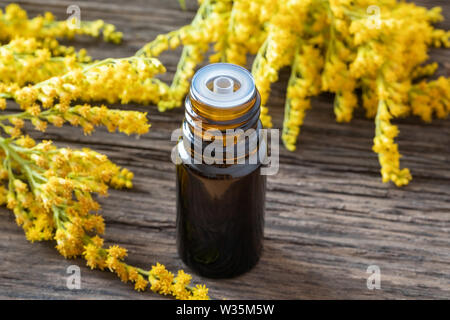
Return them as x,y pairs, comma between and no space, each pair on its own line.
220,190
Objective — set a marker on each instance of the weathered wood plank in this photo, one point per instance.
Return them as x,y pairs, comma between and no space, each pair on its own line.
328,215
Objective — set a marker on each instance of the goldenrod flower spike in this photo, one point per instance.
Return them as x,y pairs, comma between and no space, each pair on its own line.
428,98
50,191
25,61
30,52
14,23
387,149
121,80
305,82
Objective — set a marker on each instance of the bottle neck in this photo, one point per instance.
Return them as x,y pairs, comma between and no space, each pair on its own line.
229,135
239,117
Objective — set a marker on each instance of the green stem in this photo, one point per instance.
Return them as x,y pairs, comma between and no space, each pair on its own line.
261,52
201,12
143,272
25,164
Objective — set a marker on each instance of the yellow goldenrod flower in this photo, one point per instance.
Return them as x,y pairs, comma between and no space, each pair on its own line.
14,23
330,45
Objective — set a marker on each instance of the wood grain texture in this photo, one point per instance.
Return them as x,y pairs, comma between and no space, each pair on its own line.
328,215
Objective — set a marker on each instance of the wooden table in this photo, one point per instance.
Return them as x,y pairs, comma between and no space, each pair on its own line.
328,215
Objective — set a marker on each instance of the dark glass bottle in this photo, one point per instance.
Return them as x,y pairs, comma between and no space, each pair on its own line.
221,194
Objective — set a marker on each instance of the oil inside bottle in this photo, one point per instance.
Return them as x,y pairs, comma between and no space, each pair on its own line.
220,207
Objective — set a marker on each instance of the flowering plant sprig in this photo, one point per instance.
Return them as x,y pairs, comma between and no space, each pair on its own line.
14,23
331,46
50,189
121,80
26,61
30,51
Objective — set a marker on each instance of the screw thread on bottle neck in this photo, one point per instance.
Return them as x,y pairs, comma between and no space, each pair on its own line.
223,104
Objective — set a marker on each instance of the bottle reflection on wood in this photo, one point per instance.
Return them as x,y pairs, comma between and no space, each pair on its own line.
220,203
